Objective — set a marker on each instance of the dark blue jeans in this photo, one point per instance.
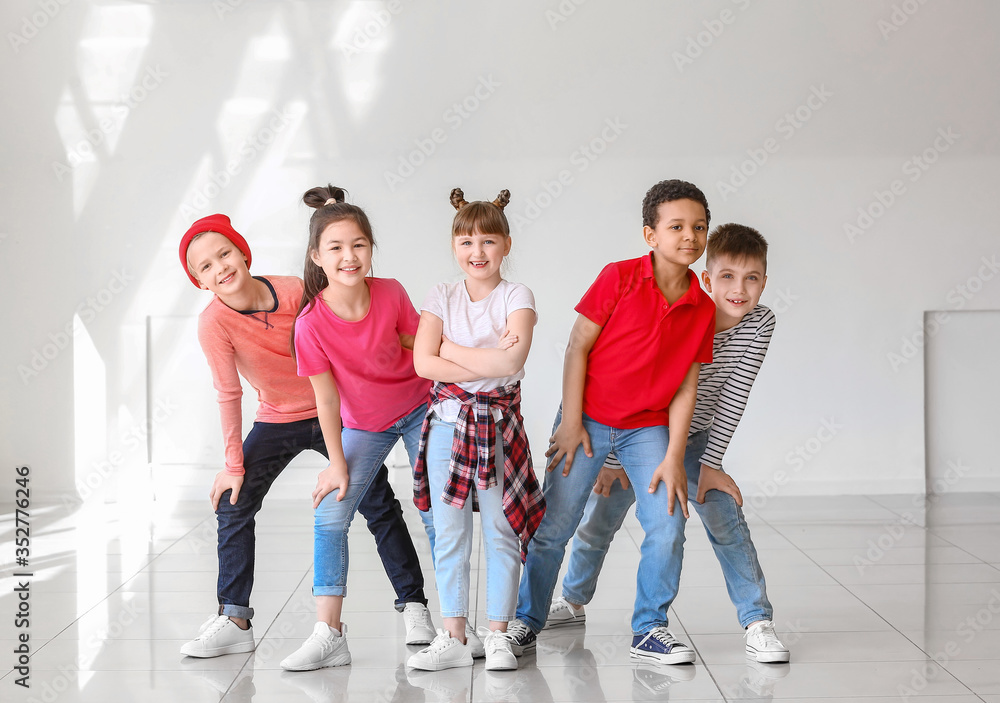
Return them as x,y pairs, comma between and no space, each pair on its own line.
267,450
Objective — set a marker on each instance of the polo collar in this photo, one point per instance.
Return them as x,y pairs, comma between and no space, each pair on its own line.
690,297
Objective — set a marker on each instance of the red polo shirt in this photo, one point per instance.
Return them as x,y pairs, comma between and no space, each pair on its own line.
646,345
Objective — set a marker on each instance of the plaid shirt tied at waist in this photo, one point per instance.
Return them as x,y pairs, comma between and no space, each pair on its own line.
473,457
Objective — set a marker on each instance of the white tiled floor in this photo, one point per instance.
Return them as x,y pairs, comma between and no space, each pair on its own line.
880,598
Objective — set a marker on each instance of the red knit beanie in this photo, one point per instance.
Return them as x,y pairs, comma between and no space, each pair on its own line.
212,223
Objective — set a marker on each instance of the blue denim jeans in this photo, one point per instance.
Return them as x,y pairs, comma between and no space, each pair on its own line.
640,452
454,538
365,452
724,522
268,448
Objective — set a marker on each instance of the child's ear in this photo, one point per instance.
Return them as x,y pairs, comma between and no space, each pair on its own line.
649,235
314,257
506,249
707,280
763,284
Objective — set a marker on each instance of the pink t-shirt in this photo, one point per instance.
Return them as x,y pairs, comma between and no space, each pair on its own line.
373,372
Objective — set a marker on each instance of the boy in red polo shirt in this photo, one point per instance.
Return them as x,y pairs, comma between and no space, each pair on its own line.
631,370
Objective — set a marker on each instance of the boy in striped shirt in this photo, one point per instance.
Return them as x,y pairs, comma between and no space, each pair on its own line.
736,264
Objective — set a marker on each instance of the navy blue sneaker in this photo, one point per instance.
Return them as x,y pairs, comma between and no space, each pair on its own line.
661,646
522,639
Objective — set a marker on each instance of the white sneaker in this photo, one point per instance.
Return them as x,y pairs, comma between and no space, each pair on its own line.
763,645
445,652
219,635
660,645
562,613
499,656
475,644
325,647
419,628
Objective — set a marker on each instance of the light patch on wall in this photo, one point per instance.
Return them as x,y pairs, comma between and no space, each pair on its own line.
90,430
361,37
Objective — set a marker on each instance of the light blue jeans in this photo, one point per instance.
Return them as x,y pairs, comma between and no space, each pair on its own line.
454,538
724,522
640,452
365,452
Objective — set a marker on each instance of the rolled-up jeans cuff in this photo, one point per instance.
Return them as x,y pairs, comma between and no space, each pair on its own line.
400,604
236,611
329,591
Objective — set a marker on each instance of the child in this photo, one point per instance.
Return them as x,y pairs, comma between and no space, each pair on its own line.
245,330
473,340
631,370
354,340
736,263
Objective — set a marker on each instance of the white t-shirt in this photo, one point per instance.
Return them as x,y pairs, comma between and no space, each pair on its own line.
477,324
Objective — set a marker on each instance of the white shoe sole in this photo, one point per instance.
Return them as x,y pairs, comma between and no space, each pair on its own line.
765,657
553,624
238,648
501,664
338,660
438,666
420,638
679,658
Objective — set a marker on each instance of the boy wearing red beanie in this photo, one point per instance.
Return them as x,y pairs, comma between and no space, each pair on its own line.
246,331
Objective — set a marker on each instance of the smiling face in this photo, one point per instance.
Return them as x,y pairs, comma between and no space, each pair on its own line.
680,232
735,286
218,264
344,253
480,255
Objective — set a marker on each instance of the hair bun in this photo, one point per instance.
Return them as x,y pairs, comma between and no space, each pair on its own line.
458,198
502,199
320,196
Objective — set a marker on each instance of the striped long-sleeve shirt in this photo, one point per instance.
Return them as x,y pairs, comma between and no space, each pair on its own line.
724,385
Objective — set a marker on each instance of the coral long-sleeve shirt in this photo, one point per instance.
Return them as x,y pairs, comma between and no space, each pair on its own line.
257,346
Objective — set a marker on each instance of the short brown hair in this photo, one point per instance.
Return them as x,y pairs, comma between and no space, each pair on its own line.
736,241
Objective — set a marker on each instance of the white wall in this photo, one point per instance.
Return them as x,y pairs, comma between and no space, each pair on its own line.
847,353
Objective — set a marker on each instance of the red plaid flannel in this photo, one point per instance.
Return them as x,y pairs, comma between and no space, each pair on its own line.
473,457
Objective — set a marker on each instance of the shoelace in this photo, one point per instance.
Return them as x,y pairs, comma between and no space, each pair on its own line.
662,634
416,617
517,630
325,645
495,640
765,631
213,628
207,624
440,642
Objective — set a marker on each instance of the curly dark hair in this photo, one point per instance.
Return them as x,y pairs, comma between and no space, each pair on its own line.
667,191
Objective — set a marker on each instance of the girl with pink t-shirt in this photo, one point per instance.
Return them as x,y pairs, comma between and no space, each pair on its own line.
354,339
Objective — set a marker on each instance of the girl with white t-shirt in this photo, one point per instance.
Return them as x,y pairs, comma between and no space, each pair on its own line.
472,341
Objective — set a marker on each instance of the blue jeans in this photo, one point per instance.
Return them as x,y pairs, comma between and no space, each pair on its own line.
453,528
365,452
724,522
640,452
268,448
